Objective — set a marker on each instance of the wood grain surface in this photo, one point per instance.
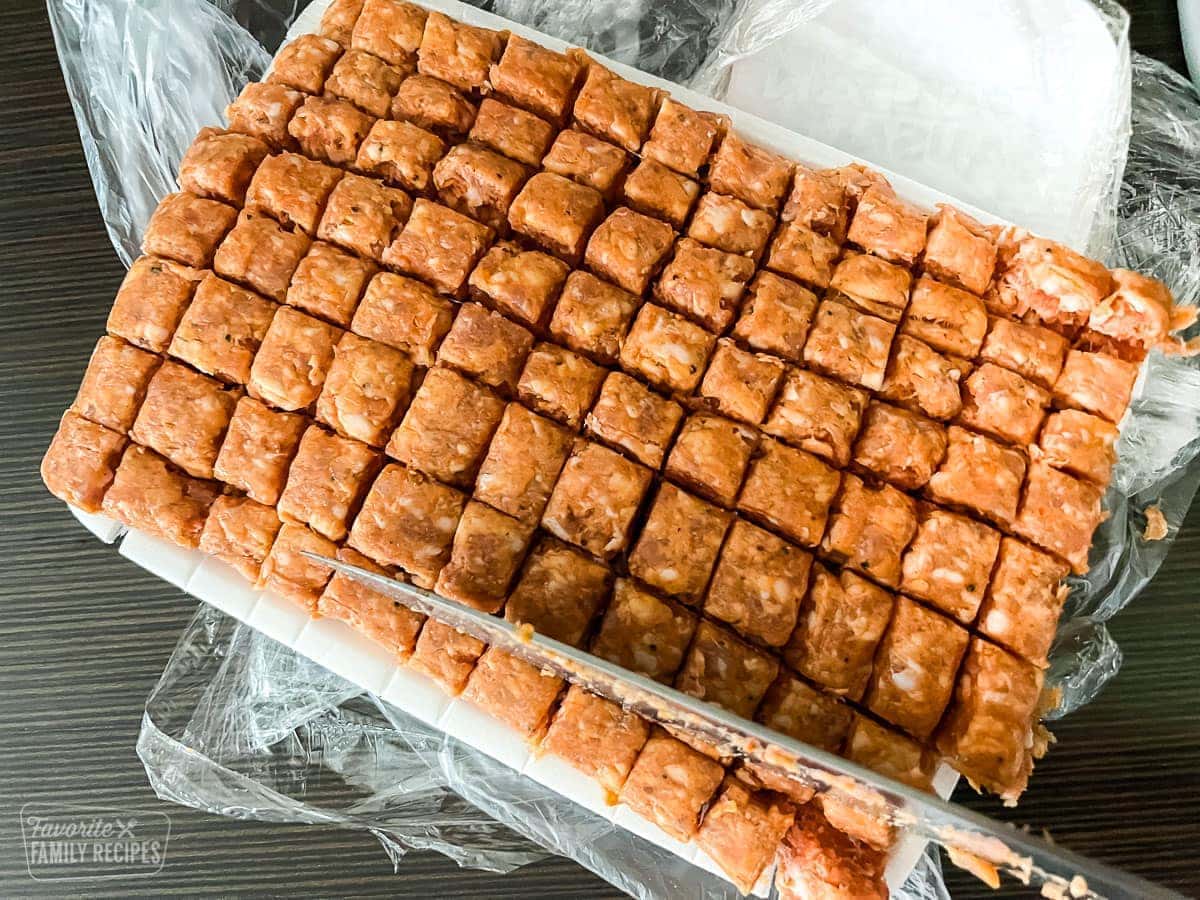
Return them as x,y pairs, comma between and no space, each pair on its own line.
84,634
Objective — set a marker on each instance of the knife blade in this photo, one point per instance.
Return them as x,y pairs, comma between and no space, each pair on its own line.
968,837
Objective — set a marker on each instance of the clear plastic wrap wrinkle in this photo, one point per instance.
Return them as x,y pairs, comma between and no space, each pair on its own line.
240,726
144,76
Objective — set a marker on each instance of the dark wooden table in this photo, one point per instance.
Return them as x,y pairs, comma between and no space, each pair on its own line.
84,634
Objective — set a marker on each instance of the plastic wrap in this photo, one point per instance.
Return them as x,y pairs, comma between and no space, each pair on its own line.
240,726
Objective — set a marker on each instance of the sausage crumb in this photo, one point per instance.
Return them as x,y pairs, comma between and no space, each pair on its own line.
980,868
1156,524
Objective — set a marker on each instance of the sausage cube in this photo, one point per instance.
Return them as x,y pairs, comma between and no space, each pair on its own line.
1024,601
366,81
949,562
240,531
791,491
915,668
535,78
597,737
329,129
1081,444
390,29
366,390
741,384
869,528
518,694
632,418
433,105
839,626
220,164
326,482
711,456
81,462
478,183
1096,383
557,214
559,592
615,108
723,669
304,63
292,190
742,830
679,543
817,859
457,53
644,633
728,224
187,229
408,520
261,255
655,190
593,316
946,318
257,450
672,803
263,111
596,499
776,316
889,753
805,255
899,446
114,384
513,132
753,174
439,246
404,314
151,301
758,585
559,384
806,714
873,285
449,448
447,656
222,330
817,415
1059,513
819,203
704,284
486,346
328,283
390,624
1031,351
522,284
149,495
980,475
885,225
666,349
400,153
989,729
587,160
682,138
922,380
484,558
289,574
849,345
960,250
1003,404
184,417
364,216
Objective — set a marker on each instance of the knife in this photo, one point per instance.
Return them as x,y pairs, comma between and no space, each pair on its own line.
973,841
